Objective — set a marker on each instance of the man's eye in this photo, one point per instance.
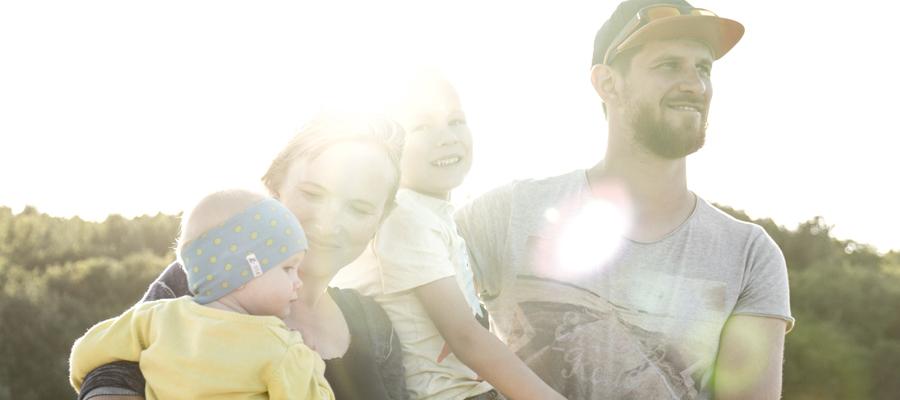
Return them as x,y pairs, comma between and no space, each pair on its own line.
705,70
670,65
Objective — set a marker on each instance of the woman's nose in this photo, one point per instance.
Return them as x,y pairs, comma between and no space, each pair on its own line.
327,220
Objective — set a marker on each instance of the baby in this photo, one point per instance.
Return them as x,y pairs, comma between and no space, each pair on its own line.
241,251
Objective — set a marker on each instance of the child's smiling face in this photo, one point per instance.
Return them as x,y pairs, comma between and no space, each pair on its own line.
437,154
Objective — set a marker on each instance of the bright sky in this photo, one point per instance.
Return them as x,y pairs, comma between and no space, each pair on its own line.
138,107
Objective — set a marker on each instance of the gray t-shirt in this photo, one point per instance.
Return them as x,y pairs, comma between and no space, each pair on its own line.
642,323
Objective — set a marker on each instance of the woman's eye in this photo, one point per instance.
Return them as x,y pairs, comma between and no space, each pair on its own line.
420,128
311,195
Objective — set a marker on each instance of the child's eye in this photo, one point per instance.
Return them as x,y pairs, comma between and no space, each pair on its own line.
420,128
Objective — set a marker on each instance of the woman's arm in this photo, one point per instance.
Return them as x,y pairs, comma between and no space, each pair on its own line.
476,347
119,380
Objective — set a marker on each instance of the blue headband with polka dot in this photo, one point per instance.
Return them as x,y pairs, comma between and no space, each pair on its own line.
245,246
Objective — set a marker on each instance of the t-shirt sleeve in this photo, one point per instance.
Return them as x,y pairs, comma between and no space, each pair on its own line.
411,252
122,338
484,224
765,292
299,375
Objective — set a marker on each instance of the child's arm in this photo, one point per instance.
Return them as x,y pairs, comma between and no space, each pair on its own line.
299,375
116,339
477,347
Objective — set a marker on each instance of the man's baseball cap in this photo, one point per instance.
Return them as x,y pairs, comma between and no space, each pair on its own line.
720,34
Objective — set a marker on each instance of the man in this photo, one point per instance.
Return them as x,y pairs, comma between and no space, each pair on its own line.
617,281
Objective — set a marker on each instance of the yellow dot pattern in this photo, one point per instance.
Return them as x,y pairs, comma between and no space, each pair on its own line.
228,267
217,241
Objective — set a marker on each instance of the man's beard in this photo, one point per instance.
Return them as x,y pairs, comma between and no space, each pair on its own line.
663,139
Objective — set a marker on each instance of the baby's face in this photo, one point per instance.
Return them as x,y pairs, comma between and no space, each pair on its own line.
272,292
437,154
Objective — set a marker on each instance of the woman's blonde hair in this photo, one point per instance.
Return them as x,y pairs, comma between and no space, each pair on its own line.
328,129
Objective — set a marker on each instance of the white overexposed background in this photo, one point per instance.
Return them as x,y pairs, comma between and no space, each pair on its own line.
134,107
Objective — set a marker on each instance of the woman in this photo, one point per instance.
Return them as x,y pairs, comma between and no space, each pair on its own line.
339,176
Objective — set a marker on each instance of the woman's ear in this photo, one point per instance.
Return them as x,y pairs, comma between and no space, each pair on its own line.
603,79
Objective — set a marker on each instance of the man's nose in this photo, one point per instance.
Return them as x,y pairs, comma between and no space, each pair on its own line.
694,82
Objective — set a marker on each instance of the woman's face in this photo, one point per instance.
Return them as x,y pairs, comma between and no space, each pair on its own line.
339,198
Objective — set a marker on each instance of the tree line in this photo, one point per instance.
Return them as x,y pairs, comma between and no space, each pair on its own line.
59,276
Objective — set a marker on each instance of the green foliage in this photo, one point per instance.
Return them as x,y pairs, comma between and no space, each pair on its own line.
60,276
34,240
845,298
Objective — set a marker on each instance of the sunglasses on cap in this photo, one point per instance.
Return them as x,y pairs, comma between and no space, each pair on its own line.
645,16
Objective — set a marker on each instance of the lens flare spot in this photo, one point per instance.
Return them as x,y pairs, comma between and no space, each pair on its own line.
744,368
589,239
551,215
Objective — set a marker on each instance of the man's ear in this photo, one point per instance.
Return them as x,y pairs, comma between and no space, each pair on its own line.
603,79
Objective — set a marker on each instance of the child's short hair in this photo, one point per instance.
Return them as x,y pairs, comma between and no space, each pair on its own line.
232,236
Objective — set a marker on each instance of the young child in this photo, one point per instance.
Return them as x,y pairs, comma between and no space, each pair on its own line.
417,267
240,251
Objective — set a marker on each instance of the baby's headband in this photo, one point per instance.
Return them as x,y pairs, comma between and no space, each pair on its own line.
242,248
